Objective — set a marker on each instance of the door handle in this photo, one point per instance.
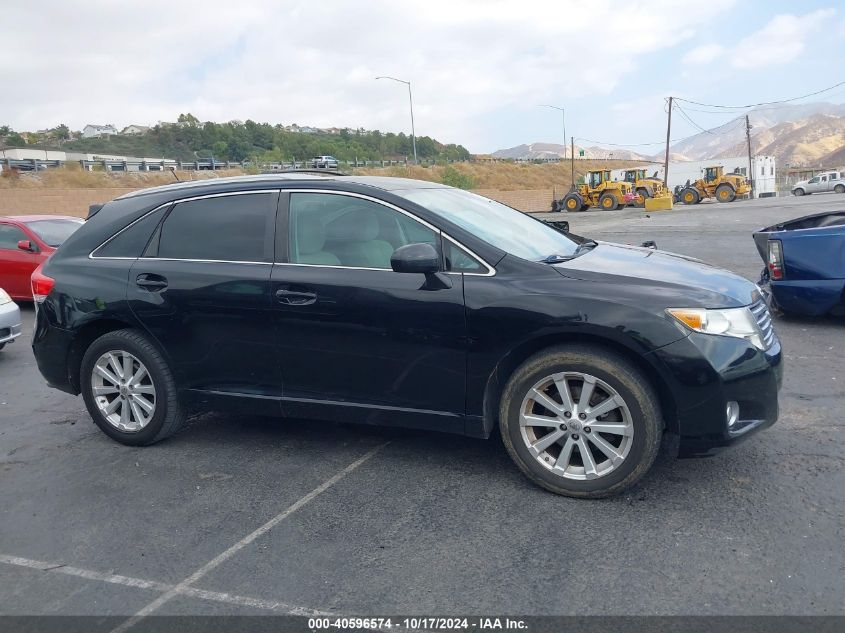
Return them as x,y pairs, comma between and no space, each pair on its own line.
296,297
153,283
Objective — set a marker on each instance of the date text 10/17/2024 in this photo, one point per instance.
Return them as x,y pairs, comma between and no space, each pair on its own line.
423,623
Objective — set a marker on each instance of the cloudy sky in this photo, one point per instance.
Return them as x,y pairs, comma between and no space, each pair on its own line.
479,68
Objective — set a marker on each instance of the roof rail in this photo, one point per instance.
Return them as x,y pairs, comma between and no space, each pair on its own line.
313,170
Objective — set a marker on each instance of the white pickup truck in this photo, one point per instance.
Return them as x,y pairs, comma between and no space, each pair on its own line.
831,181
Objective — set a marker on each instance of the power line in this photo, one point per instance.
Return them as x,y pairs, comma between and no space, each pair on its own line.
762,103
690,121
663,142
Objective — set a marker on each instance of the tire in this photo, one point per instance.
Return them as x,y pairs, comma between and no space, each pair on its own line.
839,188
608,201
168,415
640,414
2,345
572,202
798,192
689,195
725,193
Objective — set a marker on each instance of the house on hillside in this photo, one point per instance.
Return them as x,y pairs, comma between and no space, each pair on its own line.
96,131
135,129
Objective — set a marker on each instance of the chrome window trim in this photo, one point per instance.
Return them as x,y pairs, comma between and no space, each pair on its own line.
91,255
490,270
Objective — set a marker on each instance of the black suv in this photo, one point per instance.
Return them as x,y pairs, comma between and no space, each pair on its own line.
399,302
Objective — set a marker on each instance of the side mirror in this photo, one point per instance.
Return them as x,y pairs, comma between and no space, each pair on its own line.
26,245
415,258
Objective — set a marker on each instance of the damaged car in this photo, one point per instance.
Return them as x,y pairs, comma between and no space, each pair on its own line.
805,264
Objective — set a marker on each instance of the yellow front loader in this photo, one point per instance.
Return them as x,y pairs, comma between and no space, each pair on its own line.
645,186
597,191
715,184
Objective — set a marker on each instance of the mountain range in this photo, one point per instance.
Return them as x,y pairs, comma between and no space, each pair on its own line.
809,134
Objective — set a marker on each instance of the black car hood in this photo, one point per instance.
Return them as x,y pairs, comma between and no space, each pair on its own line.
675,280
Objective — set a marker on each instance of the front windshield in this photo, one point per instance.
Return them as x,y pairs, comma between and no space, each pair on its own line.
54,232
501,226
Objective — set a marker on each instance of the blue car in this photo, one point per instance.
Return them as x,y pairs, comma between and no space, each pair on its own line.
805,264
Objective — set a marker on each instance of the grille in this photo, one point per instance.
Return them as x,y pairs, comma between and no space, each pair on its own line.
764,320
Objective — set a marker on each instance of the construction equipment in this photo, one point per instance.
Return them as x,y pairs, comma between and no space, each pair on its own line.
598,191
645,186
715,184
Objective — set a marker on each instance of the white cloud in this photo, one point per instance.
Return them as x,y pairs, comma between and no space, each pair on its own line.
780,41
315,62
703,54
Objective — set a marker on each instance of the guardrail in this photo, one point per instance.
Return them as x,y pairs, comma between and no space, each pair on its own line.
37,164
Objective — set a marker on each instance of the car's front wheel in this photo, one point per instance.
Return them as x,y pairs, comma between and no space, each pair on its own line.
129,390
581,421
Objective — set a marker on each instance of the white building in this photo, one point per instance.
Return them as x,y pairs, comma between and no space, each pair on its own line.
96,131
135,129
763,168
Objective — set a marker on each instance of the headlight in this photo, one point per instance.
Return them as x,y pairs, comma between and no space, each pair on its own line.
4,297
736,322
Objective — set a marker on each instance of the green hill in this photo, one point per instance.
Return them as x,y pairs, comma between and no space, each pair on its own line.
238,141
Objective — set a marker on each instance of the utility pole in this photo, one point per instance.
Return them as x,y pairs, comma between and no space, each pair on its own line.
751,178
668,135
572,164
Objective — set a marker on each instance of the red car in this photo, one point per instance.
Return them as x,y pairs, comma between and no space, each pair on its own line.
27,241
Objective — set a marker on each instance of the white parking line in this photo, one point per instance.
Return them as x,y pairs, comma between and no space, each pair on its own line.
184,586
140,583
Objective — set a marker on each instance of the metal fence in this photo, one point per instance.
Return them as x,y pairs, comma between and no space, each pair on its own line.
36,164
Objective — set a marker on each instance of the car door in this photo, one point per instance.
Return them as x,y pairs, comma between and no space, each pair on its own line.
355,339
16,265
813,185
202,291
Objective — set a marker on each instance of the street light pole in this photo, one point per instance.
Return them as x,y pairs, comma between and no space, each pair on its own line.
562,120
411,102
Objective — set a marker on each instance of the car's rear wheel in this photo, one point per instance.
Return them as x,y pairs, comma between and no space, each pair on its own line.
581,421
839,188
129,389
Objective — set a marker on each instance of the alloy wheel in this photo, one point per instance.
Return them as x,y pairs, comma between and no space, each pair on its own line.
123,391
576,425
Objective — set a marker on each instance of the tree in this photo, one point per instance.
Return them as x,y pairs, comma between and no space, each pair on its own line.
189,118
14,139
62,132
5,130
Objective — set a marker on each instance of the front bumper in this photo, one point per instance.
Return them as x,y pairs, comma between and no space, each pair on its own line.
10,322
707,373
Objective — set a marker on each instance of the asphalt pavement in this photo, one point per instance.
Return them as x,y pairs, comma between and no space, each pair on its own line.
240,514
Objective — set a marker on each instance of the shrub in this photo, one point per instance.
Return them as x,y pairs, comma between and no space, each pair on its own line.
455,178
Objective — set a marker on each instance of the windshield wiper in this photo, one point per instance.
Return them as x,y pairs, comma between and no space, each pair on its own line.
586,245
555,258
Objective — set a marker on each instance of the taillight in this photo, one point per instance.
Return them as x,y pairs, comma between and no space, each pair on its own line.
41,285
775,259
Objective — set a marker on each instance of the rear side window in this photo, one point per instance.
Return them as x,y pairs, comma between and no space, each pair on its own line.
132,240
228,228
